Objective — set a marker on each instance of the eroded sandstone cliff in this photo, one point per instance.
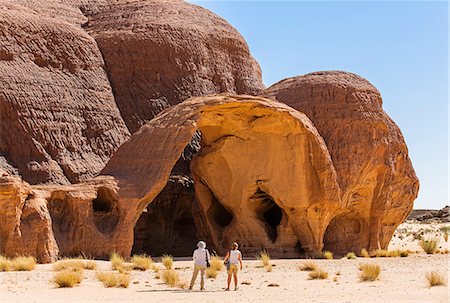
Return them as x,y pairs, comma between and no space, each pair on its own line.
375,175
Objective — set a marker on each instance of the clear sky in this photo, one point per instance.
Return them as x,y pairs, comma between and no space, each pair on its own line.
400,47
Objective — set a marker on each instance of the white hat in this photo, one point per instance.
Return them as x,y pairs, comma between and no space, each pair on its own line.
201,244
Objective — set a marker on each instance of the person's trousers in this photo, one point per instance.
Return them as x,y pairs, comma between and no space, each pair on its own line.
198,268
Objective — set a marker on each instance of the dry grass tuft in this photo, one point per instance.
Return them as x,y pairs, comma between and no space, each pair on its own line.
112,279
5,264
264,256
170,277
211,272
429,245
167,261
435,279
216,263
182,284
116,261
68,278
23,263
155,268
350,255
269,268
328,255
364,253
318,273
74,264
369,271
309,266
445,236
141,262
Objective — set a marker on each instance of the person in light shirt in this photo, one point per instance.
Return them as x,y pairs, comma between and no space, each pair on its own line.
233,257
201,257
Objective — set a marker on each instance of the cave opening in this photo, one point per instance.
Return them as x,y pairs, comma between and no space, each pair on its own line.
218,214
167,225
267,212
106,211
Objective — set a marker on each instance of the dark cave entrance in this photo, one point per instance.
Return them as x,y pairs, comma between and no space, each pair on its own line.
218,214
267,212
167,225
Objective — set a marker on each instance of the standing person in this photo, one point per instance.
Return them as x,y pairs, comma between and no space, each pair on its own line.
233,257
201,259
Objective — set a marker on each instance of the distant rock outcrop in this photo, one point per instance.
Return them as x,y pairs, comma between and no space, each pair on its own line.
377,181
431,215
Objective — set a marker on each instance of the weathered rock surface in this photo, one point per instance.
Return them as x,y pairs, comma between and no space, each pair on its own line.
71,220
160,53
59,121
263,176
377,181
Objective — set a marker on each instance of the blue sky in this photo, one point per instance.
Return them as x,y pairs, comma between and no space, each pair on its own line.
401,47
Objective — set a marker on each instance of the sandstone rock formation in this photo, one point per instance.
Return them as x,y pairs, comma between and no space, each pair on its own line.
159,53
376,178
59,121
263,176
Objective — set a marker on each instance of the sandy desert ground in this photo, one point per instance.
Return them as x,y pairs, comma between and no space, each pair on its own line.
401,280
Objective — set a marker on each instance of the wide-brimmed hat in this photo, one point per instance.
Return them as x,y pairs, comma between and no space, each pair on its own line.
201,244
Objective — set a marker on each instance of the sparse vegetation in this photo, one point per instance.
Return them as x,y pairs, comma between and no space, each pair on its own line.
182,284
445,236
155,268
141,262
429,245
117,261
264,256
325,255
211,272
369,271
318,273
5,264
170,277
113,279
269,268
68,278
216,263
167,261
435,279
364,253
74,264
23,263
308,266
350,255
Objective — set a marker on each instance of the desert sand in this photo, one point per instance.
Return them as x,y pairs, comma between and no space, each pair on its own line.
401,280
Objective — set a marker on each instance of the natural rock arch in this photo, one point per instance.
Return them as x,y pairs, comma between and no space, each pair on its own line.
250,146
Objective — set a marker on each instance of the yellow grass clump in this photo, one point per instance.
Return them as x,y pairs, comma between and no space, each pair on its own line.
116,261
350,255
328,255
74,264
112,279
5,264
167,261
429,245
211,272
369,271
170,277
308,266
23,263
269,268
264,257
435,279
318,273
68,278
141,262
155,268
216,263
364,253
